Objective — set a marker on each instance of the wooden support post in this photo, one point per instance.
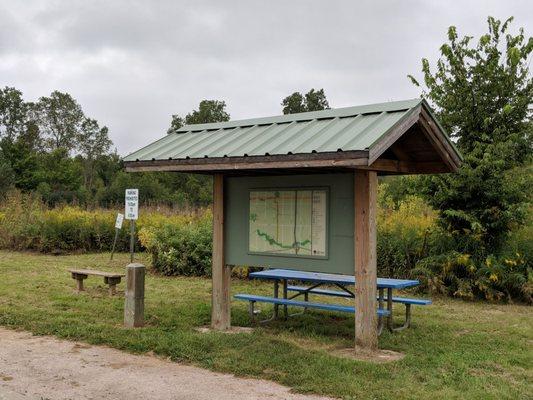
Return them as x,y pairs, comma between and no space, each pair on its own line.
365,192
134,296
79,281
221,305
112,282
79,286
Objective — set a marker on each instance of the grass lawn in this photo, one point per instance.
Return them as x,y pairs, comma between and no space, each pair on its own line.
455,349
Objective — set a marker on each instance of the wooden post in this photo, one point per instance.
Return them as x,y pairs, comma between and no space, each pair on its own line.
221,306
79,281
79,286
134,296
365,193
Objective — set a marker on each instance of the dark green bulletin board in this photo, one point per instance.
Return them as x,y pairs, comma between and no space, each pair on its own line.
340,222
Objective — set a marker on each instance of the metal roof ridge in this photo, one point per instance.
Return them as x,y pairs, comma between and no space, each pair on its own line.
307,116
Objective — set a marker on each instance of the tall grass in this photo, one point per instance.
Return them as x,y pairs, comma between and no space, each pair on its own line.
410,244
27,224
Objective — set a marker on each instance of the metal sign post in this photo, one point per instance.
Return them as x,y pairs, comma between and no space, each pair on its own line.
118,227
131,203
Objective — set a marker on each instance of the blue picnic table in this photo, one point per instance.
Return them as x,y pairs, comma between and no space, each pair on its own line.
313,281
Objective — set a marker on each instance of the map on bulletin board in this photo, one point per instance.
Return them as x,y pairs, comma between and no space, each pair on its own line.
288,222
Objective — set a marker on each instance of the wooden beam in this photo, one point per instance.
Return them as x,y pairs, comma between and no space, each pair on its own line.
389,138
221,274
407,167
313,160
445,149
365,197
400,152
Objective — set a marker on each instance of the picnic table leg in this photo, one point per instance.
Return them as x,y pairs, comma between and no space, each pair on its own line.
285,308
389,308
276,295
407,322
380,305
252,311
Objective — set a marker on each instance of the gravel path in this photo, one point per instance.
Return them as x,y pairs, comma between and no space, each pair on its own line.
42,367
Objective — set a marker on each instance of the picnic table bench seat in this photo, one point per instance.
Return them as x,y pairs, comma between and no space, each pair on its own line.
110,278
252,299
305,304
340,293
408,302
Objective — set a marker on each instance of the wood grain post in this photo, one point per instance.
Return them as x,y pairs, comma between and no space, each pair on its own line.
79,281
365,193
134,296
221,305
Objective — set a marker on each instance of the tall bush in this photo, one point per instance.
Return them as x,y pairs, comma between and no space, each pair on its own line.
180,249
404,231
482,93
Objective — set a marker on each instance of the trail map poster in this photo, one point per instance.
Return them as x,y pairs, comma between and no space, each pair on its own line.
288,222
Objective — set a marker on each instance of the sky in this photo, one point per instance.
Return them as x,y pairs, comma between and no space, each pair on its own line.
132,64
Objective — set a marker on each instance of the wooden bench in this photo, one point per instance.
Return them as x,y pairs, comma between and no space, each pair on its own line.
110,278
408,302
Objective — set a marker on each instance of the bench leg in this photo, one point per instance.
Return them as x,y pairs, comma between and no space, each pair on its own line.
380,306
390,321
251,311
380,325
112,282
79,281
276,295
407,322
285,308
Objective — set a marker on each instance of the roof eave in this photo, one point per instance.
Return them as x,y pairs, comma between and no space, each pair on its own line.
343,159
434,132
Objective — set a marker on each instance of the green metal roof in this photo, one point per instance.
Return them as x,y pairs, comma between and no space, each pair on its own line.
342,129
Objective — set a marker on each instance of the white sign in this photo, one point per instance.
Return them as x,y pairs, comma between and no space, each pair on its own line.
119,220
132,203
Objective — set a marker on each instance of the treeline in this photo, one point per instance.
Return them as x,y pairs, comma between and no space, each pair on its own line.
51,148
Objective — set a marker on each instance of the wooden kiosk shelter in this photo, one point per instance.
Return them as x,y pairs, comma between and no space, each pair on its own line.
341,151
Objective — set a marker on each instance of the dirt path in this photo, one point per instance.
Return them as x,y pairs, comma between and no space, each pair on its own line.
42,367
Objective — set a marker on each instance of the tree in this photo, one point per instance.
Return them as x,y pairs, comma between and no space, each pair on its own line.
59,118
93,141
208,111
293,104
7,178
314,100
483,94
59,177
12,113
175,124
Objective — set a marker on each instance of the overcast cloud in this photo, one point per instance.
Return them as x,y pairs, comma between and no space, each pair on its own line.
132,64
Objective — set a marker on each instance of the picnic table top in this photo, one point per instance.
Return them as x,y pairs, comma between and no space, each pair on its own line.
278,274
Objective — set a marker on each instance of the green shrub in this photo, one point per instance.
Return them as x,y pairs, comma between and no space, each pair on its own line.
458,275
180,249
404,230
